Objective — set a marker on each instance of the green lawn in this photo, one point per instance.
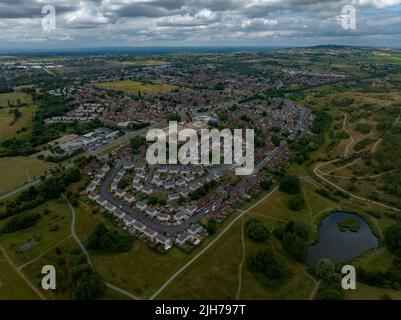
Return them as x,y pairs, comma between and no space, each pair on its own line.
215,275
365,292
43,233
135,86
8,127
12,286
12,97
13,171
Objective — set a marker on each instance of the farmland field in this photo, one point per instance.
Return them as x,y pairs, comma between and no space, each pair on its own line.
136,86
13,171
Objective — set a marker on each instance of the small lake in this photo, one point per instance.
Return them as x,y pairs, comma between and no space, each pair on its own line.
341,246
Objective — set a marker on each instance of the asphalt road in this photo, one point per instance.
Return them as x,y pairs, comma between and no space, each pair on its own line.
173,230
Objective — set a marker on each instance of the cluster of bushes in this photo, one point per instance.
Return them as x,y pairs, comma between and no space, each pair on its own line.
290,184
392,238
35,196
21,221
385,279
269,268
86,284
294,237
256,231
106,240
265,184
296,203
363,144
136,143
363,128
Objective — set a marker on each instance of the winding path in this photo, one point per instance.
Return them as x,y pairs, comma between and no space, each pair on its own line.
316,171
78,241
182,269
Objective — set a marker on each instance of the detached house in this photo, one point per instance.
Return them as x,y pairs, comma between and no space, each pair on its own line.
119,214
141,205
128,220
163,217
129,198
151,211
166,242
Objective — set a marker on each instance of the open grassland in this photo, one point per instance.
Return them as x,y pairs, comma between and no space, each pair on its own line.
222,267
372,260
13,171
365,292
12,286
52,227
140,270
136,86
13,97
144,62
9,127
63,257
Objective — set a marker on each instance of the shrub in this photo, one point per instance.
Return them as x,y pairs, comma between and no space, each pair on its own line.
290,184
21,221
256,231
111,241
268,264
296,203
392,238
86,284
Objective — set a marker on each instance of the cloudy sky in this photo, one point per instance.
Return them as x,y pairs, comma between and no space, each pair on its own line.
105,23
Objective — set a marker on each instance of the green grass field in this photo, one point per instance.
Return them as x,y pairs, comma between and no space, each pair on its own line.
48,232
365,292
13,171
12,97
9,128
135,86
12,286
216,274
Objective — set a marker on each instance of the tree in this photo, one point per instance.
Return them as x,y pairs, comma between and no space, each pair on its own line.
296,203
103,239
256,231
268,264
265,184
324,268
136,143
295,246
290,184
392,238
21,221
86,284
211,226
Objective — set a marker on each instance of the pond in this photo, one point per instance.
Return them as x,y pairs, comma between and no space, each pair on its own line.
341,246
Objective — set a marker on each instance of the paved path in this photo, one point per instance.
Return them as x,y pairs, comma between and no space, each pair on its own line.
175,275
78,241
19,189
